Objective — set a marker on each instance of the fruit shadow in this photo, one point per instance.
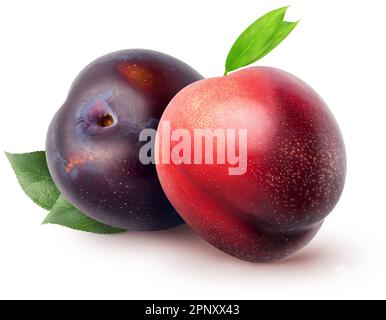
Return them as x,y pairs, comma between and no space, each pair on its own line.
181,246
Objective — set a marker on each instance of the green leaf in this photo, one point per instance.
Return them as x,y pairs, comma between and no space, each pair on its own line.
259,39
32,173
282,33
65,214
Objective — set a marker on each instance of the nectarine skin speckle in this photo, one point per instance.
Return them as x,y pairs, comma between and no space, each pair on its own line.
92,143
296,164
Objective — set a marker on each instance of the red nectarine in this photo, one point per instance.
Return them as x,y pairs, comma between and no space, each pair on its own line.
296,163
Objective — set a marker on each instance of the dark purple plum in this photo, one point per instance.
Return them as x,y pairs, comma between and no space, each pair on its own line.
93,140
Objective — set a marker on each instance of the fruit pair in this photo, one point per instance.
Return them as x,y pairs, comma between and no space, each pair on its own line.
291,159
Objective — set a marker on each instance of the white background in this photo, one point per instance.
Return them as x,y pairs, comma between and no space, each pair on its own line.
338,48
